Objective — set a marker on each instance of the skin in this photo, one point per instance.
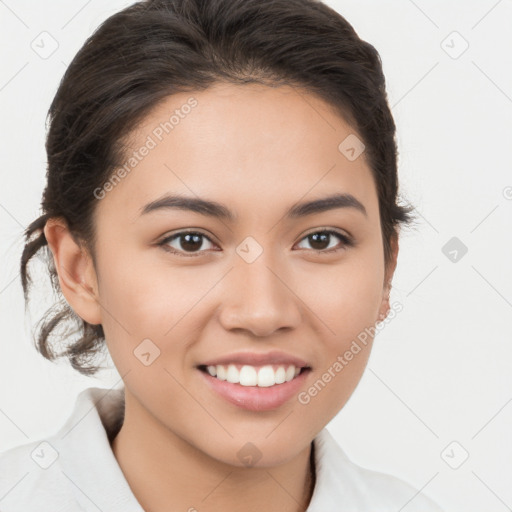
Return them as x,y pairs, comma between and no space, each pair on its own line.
257,150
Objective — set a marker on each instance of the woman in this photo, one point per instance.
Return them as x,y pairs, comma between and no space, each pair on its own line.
221,211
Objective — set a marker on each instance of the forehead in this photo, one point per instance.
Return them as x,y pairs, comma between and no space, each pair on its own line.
247,145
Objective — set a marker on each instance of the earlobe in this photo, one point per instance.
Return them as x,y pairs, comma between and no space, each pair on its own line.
390,270
75,269
384,306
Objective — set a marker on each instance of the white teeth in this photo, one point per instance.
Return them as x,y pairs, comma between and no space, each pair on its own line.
264,376
248,376
221,372
280,375
233,375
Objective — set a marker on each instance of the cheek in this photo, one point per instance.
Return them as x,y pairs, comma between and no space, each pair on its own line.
347,300
143,294
347,297
346,346
147,301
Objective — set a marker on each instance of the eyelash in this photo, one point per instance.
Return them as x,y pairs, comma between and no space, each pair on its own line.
346,242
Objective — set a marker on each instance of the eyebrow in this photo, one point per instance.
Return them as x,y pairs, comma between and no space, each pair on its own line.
218,210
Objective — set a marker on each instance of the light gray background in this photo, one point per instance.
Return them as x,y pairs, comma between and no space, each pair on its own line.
441,371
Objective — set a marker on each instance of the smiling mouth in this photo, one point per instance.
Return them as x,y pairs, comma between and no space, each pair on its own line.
257,376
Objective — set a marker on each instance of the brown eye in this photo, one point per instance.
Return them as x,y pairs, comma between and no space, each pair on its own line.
190,242
322,241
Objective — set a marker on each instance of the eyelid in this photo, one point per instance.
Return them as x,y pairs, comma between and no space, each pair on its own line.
176,235
346,239
323,229
186,231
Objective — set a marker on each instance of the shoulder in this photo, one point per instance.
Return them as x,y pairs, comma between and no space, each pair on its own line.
31,479
342,483
53,474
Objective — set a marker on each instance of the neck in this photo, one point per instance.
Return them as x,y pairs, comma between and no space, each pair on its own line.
166,472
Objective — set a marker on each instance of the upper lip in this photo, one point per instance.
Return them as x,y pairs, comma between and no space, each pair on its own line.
257,359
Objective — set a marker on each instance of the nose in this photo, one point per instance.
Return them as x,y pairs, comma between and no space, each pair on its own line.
259,298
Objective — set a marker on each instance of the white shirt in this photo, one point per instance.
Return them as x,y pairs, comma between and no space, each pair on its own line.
76,470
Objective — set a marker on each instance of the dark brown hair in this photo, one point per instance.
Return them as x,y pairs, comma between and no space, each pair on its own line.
156,48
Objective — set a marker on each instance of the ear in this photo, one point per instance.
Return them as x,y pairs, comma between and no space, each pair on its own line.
74,266
390,270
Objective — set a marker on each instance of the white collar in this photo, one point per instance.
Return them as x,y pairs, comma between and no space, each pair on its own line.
88,473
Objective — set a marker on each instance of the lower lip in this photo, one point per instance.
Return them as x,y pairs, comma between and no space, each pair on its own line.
255,398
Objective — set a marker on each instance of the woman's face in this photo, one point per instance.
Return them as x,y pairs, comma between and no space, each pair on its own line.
256,283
